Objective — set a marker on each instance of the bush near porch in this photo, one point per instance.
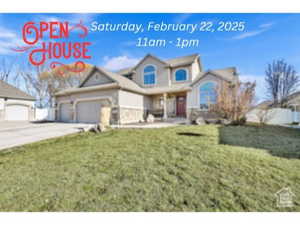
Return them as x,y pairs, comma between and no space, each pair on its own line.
184,168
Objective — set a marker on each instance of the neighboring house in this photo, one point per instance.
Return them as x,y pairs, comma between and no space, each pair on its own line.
176,87
286,113
15,104
293,102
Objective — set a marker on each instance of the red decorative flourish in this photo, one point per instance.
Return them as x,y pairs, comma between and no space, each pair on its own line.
78,67
82,27
21,48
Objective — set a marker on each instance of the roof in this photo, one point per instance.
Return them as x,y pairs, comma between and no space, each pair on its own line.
180,61
168,89
174,62
228,74
9,91
122,82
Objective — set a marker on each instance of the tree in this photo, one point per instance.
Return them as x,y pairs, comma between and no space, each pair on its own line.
234,100
43,83
281,81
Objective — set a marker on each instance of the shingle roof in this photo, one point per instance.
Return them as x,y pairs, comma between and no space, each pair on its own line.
121,81
174,62
9,91
228,74
185,60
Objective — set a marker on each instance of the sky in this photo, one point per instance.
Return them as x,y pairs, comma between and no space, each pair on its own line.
266,37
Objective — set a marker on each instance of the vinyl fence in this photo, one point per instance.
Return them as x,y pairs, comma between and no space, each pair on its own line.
276,116
45,114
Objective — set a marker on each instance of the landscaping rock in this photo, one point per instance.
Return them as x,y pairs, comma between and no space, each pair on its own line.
150,118
102,127
225,122
97,128
212,121
200,121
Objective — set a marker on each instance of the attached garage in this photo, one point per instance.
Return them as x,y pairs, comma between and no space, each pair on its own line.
65,112
17,112
88,111
15,105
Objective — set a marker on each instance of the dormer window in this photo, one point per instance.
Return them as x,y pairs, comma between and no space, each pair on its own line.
181,75
149,75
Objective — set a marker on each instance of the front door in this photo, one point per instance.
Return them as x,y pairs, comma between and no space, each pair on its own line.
181,105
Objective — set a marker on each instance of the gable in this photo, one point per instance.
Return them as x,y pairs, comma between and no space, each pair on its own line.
161,71
97,78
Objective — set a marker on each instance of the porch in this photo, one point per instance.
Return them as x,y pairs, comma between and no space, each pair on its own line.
168,105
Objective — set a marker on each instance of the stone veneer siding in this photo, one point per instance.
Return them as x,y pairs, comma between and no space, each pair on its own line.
131,115
194,113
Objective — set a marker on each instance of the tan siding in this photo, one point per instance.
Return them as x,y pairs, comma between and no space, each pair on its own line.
161,73
129,99
96,79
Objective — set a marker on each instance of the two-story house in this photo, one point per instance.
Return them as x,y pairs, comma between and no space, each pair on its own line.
176,87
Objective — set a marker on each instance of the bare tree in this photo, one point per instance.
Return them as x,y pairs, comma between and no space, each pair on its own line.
234,100
35,86
281,81
6,70
43,83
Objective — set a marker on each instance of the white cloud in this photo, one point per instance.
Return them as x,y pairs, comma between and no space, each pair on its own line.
262,28
248,34
119,62
182,17
266,25
5,33
260,89
8,39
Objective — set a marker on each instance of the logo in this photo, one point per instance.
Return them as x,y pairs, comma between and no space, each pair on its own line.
284,197
48,41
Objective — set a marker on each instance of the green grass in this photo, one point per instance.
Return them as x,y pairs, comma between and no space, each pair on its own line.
186,168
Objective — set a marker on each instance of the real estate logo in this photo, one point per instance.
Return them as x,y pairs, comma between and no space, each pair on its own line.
48,41
284,197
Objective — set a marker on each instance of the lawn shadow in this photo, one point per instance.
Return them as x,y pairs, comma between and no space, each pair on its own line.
189,134
278,141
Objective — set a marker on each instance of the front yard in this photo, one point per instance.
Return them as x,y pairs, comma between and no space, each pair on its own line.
186,168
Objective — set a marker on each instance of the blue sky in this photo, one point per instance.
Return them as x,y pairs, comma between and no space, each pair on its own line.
266,37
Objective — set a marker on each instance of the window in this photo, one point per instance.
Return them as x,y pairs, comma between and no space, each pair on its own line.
149,75
181,75
208,95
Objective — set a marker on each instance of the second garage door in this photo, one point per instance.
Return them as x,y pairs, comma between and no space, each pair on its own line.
88,111
17,112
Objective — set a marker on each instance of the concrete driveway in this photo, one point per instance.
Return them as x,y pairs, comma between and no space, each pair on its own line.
19,133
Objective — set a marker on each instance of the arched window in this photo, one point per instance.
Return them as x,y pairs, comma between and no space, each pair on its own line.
149,75
208,95
181,75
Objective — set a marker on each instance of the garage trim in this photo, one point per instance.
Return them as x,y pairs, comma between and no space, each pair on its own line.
109,98
6,105
59,105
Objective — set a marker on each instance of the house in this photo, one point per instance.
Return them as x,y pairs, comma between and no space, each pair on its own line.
15,105
177,87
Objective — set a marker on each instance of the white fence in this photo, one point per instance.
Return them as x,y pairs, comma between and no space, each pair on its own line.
45,114
275,116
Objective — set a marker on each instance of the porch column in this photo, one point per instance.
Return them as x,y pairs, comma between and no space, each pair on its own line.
165,107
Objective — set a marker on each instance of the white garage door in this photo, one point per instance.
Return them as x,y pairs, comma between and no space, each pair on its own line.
17,112
65,112
88,111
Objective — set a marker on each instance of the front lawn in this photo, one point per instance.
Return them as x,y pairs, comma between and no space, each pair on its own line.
186,168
